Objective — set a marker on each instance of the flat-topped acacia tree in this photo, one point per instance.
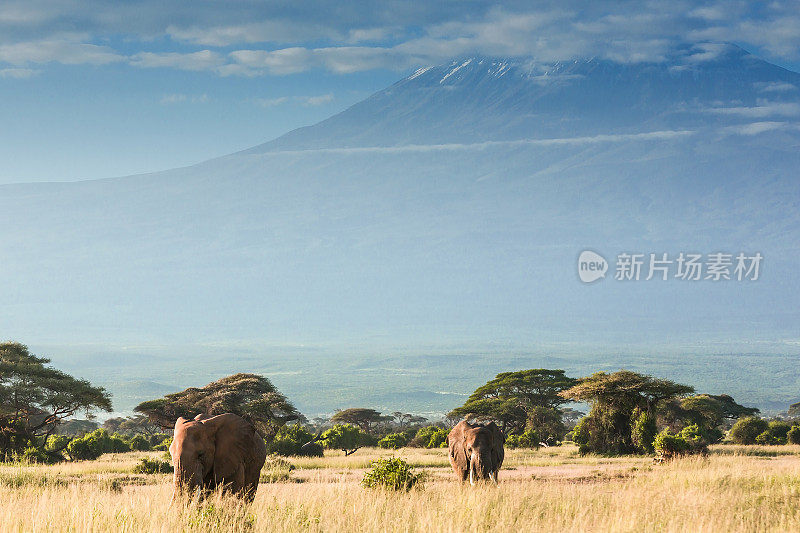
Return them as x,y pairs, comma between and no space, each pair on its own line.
624,407
35,398
517,400
250,396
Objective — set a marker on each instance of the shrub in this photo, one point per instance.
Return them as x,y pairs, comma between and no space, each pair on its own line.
391,474
152,466
83,449
33,455
94,444
393,441
779,429
766,439
117,444
746,429
164,445
695,439
292,440
528,439
344,437
793,436
669,446
56,443
580,435
643,430
275,470
430,437
140,444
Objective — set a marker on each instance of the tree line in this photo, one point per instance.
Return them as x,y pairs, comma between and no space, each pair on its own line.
629,413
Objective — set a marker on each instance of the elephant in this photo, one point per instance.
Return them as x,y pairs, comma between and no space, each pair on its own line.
476,451
217,451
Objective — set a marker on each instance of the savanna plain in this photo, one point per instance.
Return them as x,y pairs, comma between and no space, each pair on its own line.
734,488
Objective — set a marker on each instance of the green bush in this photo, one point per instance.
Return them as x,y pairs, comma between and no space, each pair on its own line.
793,436
343,437
779,429
164,445
391,474
393,441
746,429
92,445
117,444
140,443
580,435
81,449
643,430
365,439
669,446
430,437
33,455
767,439
56,443
291,440
528,439
276,469
689,441
152,466
695,439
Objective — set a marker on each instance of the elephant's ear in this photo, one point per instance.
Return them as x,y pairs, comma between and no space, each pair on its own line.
234,439
458,453
498,452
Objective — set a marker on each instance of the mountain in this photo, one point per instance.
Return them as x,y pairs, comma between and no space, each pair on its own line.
436,226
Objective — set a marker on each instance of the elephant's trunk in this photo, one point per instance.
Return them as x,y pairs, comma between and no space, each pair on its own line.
187,477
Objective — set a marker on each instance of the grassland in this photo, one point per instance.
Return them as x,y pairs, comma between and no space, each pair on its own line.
734,489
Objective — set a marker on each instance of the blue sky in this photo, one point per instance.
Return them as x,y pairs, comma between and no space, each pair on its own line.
92,89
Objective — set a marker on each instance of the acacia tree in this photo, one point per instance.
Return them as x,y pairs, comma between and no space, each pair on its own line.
516,400
35,398
366,419
623,410
343,437
132,425
405,420
250,396
711,413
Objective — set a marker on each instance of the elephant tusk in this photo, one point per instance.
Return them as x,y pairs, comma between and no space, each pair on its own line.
493,476
471,477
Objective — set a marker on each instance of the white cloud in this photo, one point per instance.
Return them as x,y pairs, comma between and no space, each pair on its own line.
268,31
283,61
775,87
202,60
18,73
764,109
66,52
311,101
594,139
179,98
306,101
754,128
272,102
327,34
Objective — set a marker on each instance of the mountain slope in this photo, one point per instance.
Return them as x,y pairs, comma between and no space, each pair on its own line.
443,215
489,99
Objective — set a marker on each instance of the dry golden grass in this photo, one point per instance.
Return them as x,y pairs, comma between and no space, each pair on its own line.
734,489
